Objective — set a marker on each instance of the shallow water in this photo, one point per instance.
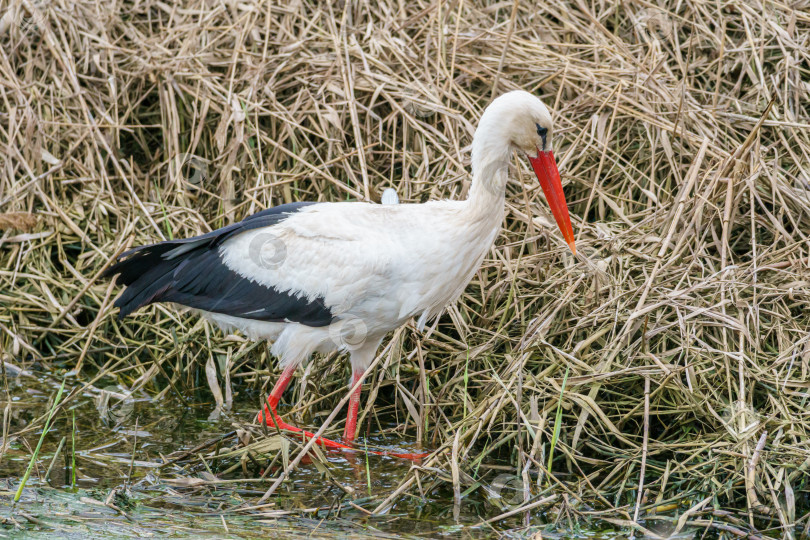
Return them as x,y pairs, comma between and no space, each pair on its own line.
120,465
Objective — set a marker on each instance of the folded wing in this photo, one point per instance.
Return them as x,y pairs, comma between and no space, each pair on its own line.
192,272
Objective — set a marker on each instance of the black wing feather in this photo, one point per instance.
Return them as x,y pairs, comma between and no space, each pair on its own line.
191,272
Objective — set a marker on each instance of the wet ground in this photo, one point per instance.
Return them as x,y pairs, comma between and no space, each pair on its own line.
121,486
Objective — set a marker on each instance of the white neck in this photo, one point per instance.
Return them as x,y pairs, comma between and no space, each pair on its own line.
490,162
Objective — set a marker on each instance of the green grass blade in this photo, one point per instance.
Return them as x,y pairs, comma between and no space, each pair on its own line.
39,444
73,454
466,379
557,421
368,471
166,224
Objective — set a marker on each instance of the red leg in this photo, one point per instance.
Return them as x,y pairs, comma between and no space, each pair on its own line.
271,417
275,395
354,403
351,423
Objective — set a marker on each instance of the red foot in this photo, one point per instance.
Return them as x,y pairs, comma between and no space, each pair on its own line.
412,457
274,420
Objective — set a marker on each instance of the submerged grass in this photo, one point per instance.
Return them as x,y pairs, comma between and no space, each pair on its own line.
35,454
682,138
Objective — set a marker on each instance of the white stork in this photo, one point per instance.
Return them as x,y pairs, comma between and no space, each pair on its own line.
320,277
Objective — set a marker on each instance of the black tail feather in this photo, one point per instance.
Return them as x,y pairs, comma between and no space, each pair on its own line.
145,273
191,272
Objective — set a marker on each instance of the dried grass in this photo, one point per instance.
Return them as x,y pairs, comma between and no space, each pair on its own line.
18,220
682,137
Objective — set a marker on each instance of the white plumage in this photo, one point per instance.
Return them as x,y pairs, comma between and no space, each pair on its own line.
370,267
389,196
373,264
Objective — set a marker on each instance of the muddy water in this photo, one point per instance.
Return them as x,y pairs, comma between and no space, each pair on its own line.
120,490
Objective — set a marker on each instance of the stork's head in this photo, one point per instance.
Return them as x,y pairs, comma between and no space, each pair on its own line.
522,122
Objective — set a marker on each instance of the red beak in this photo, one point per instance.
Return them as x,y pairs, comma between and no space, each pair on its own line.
546,170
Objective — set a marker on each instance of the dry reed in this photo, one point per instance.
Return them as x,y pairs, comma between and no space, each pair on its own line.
682,137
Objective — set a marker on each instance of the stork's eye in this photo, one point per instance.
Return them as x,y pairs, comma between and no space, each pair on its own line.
542,132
